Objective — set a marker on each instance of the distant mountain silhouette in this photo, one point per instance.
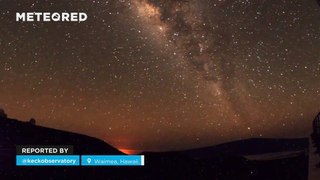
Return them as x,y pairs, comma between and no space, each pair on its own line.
316,135
250,147
225,161
14,132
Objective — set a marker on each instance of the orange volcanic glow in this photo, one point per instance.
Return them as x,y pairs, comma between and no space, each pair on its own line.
130,151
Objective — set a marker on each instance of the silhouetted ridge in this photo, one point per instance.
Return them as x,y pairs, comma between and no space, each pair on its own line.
223,161
243,147
250,147
14,132
316,135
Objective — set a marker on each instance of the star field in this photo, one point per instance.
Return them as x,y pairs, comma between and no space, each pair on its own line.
163,75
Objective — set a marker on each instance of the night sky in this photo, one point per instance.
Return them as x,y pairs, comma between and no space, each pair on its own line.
164,75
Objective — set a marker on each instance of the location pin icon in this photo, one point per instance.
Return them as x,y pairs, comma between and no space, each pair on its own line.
89,160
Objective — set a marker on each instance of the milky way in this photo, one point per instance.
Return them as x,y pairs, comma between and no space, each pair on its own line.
160,75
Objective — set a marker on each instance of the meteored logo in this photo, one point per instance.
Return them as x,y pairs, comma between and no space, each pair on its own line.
51,17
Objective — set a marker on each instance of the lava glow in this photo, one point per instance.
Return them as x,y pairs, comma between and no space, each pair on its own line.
129,151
